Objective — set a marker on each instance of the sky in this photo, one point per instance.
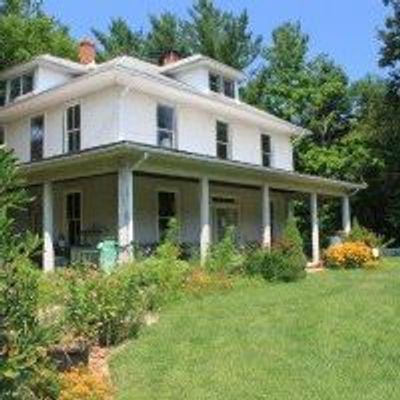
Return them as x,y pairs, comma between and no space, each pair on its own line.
346,30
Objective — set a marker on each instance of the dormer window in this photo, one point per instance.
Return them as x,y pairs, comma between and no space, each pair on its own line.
21,85
220,84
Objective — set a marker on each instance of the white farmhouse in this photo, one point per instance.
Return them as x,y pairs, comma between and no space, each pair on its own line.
115,150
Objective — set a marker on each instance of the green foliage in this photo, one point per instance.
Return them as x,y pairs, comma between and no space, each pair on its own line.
225,256
22,38
284,262
25,372
390,37
103,308
361,234
167,33
120,40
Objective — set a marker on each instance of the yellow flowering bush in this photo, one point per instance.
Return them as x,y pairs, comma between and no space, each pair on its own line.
349,255
82,384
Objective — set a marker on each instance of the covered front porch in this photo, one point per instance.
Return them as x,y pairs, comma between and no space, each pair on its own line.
128,192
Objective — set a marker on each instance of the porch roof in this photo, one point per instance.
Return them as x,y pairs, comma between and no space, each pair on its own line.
153,159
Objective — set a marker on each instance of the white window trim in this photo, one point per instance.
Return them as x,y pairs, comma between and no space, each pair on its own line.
271,152
166,189
20,77
236,205
230,138
44,115
65,130
65,213
174,123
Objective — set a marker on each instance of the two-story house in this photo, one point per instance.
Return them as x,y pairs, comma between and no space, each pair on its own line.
117,149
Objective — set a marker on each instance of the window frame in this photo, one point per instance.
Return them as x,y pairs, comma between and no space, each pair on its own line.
69,132
233,87
43,116
266,153
172,132
4,91
217,76
227,144
21,88
66,218
166,189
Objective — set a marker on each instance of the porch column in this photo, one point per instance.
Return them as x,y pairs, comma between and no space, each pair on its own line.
346,214
266,215
316,256
125,213
48,229
205,229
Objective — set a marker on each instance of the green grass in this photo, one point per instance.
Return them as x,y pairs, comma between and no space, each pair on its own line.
335,335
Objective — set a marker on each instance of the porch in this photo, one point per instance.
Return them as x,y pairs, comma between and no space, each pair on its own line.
129,192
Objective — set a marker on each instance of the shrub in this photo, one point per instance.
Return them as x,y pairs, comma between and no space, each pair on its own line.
359,233
201,281
103,308
225,255
284,262
349,255
25,371
82,384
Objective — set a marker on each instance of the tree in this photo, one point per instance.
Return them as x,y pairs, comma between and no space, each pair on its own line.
25,372
282,83
167,33
22,8
25,31
222,35
390,37
120,40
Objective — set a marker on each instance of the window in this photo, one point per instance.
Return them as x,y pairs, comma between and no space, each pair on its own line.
166,211
21,85
266,150
3,93
74,218
229,88
214,82
222,140
165,126
218,84
73,128
2,136
37,134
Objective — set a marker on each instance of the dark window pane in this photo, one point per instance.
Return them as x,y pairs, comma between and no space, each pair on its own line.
77,112
2,136
37,134
214,83
165,138
165,118
15,88
74,218
166,204
266,160
229,88
3,92
222,132
222,151
163,225
266,143
27,83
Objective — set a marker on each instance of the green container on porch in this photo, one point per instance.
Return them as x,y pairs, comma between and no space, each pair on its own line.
108,255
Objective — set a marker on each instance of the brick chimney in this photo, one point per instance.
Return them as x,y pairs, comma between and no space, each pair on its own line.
169,57
87,52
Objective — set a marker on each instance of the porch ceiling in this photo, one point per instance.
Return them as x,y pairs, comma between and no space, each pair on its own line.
146,158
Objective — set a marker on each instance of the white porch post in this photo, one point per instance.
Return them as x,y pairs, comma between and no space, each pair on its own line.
125,213
48,229
315,229
346,214
266,215
205,229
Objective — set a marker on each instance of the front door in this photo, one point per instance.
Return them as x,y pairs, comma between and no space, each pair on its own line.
224,218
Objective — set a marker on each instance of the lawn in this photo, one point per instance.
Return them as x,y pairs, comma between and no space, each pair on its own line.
335,335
